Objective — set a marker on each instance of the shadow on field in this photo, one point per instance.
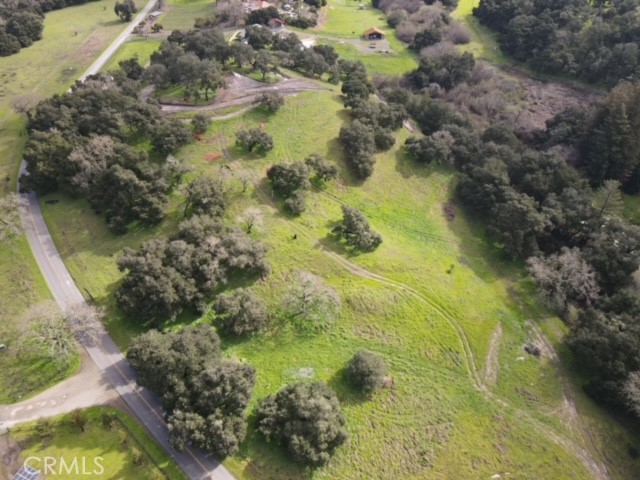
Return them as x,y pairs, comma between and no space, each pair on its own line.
408,167
347,394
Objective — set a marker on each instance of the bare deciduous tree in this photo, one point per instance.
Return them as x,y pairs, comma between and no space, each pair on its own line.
310,299
49,332
10,225
85,321
252,218
564,278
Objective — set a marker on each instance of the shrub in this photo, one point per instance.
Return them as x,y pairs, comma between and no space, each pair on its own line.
200,123
240,313
106,419
355,229
296,203
306,419
366,370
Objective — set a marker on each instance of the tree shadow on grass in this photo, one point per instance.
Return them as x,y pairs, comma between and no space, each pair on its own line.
409,167
266,460
337,153
347,393
477,250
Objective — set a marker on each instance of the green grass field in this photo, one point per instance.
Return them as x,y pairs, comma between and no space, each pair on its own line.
138,47
183,13
434,423
467,402
72,39
484,42
112,447
345,19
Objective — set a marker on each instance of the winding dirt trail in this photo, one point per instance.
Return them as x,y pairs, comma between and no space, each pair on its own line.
492,364
247,93
587,453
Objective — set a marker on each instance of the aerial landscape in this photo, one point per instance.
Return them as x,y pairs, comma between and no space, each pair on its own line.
319,239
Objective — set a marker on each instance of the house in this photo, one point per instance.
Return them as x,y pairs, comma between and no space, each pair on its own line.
373,34
275,23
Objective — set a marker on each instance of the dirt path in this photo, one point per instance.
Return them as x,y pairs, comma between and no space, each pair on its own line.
243,90
569,411
492,364
587,454
86,388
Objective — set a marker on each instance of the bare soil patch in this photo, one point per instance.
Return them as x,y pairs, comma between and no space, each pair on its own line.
545,99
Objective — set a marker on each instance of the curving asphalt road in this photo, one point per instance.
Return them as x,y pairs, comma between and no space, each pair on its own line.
103,351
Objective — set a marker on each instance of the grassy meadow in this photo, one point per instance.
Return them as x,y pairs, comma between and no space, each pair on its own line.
137,47
181,14
436,300
434,328
126,449
72,39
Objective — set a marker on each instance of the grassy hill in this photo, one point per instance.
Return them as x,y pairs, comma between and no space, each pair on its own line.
447,313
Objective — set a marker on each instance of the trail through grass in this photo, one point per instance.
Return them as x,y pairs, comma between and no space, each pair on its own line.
434,328
428,300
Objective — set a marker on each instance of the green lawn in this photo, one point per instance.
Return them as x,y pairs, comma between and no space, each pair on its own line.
433,423
181,14
72,39
484,42
111,447
138,47
345,19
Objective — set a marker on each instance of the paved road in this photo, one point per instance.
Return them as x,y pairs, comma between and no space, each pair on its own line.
103,351
86,388
115,45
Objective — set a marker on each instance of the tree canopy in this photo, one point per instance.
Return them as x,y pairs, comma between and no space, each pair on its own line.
205,396
305,419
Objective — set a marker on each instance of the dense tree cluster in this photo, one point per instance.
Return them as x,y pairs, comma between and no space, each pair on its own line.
240,313
373,122
610,146
205,196
77,144
204,395
538,207
291,180
448,69
194,59
22,22
367,370
355,230
166,276
305,419
595,41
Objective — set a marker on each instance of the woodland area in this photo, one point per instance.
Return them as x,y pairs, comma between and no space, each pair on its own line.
596,41
550,199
